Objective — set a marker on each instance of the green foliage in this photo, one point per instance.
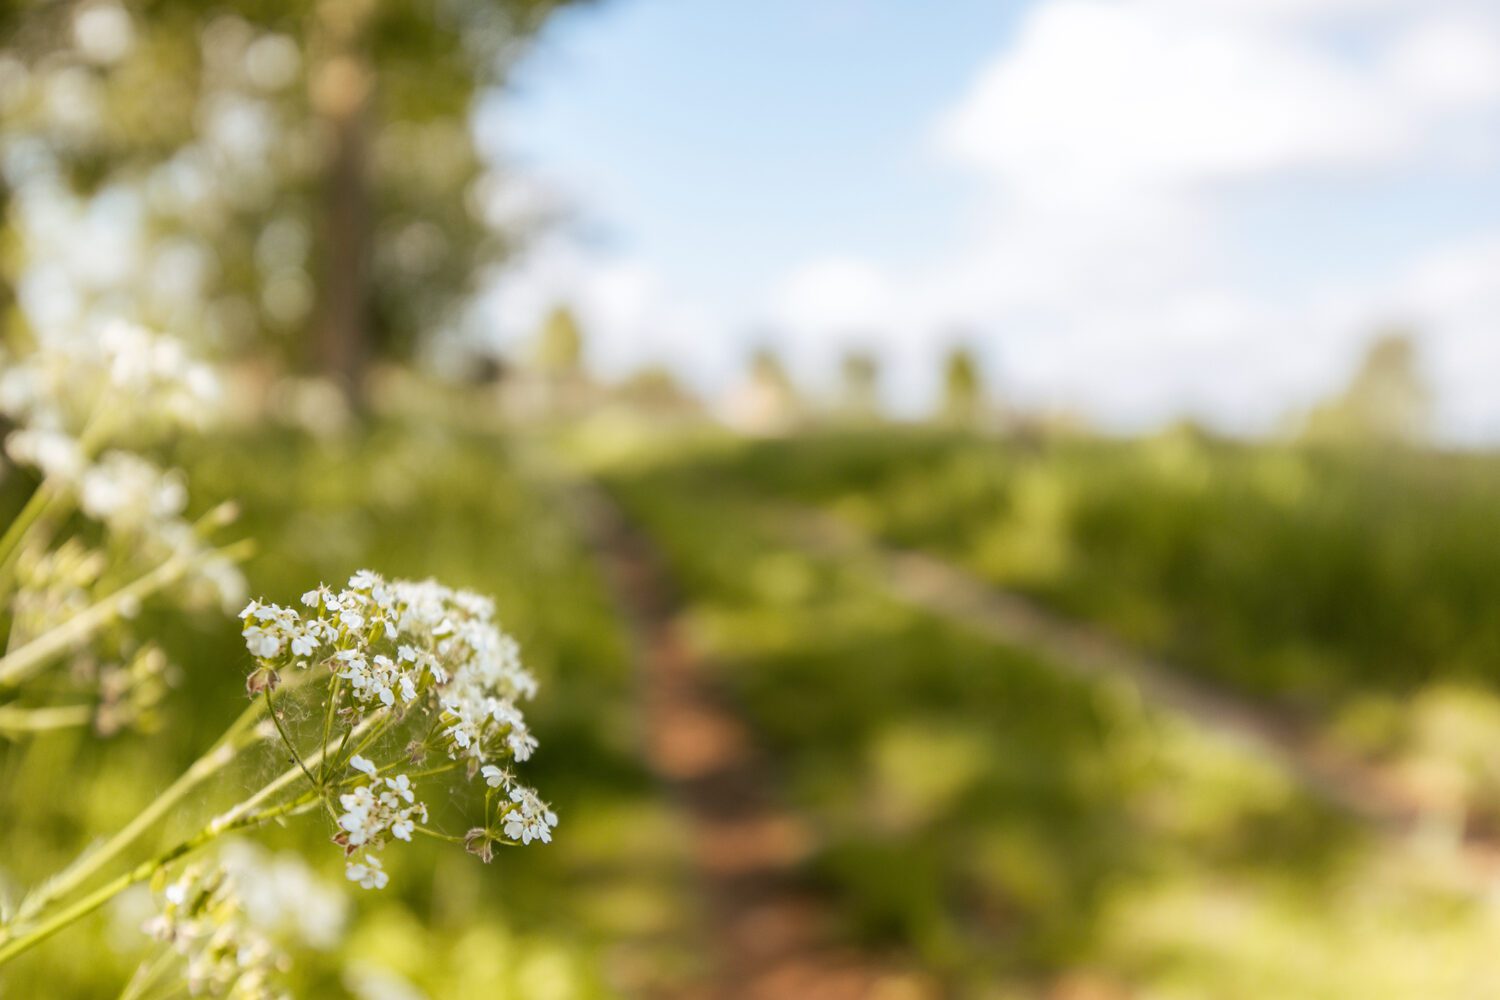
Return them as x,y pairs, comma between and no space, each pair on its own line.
1305,573
963,388
275,146
559,345
1387,401
1004,824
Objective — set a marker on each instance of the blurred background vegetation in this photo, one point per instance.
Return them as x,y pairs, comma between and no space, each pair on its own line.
300,192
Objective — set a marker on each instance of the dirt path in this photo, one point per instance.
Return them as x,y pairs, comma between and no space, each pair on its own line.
1420,816
772,937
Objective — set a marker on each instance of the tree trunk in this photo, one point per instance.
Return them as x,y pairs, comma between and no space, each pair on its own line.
341,96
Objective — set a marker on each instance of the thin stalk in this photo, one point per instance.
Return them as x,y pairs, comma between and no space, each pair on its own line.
433,770
285,778
379,730
439,835
147,975
36,505
23,663
16,721
143,871
271,710
333,701
95,432
239,735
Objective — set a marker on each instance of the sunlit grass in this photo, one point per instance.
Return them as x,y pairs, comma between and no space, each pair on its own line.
1005,823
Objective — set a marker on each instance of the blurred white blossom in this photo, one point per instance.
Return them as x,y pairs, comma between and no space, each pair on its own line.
120,377
202,918
283,897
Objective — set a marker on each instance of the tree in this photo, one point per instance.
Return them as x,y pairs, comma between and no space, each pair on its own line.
559,345
1387,400
963,387
767,371
861,386
766,401
312,162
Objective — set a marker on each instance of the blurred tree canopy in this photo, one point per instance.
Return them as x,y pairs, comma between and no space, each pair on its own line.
963,387
860,373
1387,400
559,344
766,367
299,172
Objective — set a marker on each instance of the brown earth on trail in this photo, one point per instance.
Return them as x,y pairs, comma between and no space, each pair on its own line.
772,936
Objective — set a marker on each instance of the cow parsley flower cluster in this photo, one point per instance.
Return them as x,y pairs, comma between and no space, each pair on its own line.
530,818
79,402
131,688
411,657
142,506
127,493
284,897
373,811
201,918
53,586
120,371
55,454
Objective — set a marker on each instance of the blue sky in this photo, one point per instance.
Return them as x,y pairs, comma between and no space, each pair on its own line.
1130,204
722,138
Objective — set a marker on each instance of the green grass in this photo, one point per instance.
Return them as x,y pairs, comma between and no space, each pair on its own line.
1301,574
1007,826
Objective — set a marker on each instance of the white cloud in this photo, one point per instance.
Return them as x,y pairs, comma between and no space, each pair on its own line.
1097,98
840,295
628,315
1452,297
1451,61
1117,139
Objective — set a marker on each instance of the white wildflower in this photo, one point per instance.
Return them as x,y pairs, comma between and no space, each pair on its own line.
283,896
368,872
529,818
202,919
119,369
385,806
415,658
55,454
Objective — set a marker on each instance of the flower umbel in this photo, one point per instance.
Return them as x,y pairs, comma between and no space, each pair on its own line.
409,668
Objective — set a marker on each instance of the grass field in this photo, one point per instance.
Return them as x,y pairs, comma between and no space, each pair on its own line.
1006,824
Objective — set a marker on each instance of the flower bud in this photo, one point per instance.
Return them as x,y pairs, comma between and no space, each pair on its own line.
262,679
479,843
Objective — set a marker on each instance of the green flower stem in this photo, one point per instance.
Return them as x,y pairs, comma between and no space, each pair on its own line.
438,835
286,778
143,871
36,505
281,730
334,689
48,493
380,723
16,721
240,734
147,976
428,772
